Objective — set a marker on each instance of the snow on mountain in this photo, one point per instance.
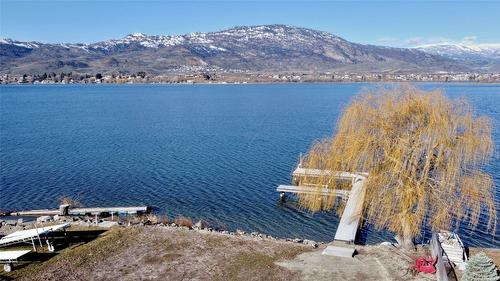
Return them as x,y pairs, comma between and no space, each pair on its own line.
28,45
256,48
463,51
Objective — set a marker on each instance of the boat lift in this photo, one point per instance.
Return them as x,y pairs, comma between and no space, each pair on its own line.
30,236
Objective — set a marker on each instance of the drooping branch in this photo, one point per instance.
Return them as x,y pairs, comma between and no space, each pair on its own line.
423,152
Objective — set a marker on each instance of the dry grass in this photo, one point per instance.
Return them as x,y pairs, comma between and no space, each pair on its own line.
423,153
66,200
154,253
184,221
69,259
165,219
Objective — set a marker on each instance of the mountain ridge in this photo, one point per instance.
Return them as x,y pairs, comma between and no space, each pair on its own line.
262,48
479,56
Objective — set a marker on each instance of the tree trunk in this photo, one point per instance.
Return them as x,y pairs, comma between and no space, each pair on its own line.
406,239
405,242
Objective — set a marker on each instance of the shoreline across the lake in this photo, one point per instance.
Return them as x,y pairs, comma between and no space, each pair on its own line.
244,78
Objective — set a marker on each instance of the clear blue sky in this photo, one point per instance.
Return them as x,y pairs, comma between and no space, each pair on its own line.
385,23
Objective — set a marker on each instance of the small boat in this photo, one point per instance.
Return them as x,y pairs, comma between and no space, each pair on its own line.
454,250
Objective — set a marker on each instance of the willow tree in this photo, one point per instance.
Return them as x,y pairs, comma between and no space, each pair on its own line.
423,153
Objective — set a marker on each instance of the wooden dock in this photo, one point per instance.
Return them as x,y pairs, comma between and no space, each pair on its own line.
312,190
84,211
351,217
349,222
300,172
110,210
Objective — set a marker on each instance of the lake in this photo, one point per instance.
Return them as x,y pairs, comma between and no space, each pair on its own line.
212,152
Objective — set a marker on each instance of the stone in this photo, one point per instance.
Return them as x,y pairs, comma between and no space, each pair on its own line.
240,232
297,240
107,224
43,219
201,224
254,233
310,243
339,251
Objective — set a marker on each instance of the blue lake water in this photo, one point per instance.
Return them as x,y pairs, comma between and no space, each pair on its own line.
212,152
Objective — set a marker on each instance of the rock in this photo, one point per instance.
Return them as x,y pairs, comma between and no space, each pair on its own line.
20,221
387,244
107,224
56,217
43,219
201,224
11,222
225,232
297,240
254,233
310,243
173,225
240,232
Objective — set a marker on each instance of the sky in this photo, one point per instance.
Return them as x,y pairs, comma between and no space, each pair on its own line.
391,23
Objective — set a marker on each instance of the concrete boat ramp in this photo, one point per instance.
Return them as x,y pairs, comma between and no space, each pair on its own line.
343,244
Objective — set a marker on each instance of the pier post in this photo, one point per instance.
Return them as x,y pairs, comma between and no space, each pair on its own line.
63,210
282,196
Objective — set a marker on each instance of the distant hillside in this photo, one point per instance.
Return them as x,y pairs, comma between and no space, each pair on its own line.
267,48
482,57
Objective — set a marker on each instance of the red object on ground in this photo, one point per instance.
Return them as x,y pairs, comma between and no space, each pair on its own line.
427,265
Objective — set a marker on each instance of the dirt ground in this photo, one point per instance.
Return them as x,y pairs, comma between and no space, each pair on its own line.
171,253
371,263
494,254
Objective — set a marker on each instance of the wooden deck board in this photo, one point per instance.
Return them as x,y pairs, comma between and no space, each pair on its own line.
311,190
83,211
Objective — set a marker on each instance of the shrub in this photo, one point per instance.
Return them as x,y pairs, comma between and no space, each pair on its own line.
480,268
66,200
184,221
165,219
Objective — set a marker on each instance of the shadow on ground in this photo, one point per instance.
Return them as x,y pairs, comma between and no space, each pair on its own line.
60,239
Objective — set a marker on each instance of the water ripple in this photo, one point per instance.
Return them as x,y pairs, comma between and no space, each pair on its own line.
209,152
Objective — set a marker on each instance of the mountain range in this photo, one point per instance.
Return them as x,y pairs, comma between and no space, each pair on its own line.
264,48
479,57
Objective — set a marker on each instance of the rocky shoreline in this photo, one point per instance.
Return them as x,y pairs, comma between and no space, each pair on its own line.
8,226
157,248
